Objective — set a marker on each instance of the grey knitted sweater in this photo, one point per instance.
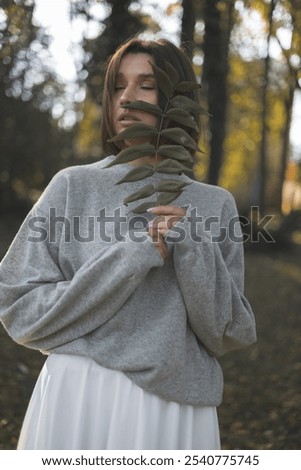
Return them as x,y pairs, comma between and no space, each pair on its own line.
82,277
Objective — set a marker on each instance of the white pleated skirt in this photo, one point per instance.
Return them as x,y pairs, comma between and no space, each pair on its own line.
77,404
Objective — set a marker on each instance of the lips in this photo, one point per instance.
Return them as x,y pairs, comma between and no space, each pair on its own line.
125,117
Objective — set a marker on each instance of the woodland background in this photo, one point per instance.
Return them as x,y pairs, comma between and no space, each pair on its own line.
247,56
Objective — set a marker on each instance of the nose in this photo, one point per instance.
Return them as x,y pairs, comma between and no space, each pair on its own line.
126,96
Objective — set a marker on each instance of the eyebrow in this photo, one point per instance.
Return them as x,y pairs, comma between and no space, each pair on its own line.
141,75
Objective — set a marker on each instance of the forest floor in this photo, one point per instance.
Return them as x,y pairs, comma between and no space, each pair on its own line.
261,407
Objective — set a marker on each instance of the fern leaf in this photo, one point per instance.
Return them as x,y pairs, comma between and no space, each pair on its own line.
182,117
164,83
177,152
171,166
132,153
142,193
142,208
144,106
167,198
185,86
187,104
138,173
181,137
135,131
171,186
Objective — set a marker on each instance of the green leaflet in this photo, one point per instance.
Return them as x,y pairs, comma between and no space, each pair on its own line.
187,86
177,152
167,198
164,187
147,191
163,81
182,117
179,136
144,106
188,104
171,166
172,73
138,173
132,153
135,132
171,186
144,206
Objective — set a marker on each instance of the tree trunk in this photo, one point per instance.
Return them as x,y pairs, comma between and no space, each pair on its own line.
286,140
188,25
218,28
264,132
289,102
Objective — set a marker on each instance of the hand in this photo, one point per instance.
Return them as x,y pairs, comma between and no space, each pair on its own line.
167,217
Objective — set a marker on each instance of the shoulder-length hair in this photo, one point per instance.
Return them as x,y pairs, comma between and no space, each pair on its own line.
161,50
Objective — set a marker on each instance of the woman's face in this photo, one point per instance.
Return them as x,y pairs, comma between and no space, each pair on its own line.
135,81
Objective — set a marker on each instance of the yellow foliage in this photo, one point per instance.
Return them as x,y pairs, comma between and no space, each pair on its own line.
262,6
172,8
241,165
88,132
277,114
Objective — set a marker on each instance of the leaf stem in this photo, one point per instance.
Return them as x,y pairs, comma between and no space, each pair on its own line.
157,145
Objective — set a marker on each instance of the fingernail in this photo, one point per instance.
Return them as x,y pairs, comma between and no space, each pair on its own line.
151,209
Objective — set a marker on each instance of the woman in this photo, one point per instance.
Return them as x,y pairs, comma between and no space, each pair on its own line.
132,324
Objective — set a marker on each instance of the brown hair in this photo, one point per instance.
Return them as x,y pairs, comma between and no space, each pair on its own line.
161,51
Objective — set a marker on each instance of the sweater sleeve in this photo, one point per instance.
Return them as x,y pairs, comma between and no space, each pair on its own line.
42,310
211,278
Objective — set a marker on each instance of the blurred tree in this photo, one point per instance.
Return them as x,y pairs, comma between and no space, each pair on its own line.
87,140
17,34
264,133
29,140
292,57
188,26
218,26
243,142
243,133
119,25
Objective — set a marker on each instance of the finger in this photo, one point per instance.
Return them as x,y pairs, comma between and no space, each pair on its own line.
163,231
161,246
153,233
159,231
162,223
158,222
167,210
